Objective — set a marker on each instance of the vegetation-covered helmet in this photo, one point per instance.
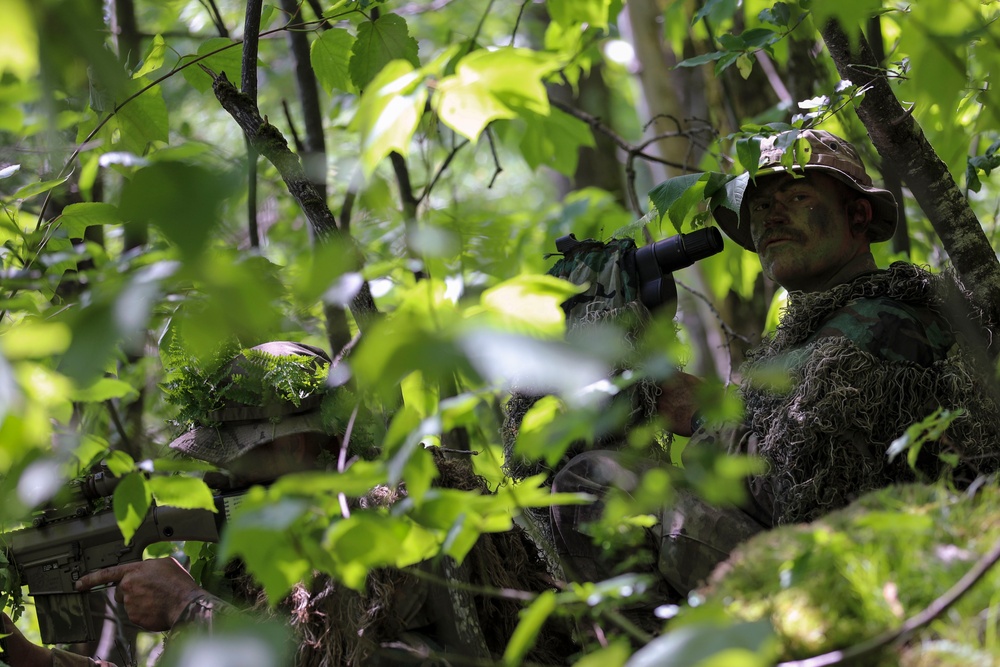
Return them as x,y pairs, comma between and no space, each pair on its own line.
827,153
261,394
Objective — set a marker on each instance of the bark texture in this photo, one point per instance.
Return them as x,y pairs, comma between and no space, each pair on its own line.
900,141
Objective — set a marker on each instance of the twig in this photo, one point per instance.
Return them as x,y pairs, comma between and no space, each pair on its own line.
213,11
496,159
116,420
440,170
517,23
914,623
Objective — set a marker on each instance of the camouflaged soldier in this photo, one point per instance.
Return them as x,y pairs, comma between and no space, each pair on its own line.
860,355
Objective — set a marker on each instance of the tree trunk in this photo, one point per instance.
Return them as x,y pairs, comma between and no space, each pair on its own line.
901,142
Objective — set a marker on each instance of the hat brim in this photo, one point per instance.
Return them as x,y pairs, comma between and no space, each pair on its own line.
881,228
221,444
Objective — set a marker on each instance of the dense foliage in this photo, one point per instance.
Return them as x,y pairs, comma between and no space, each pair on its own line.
444,146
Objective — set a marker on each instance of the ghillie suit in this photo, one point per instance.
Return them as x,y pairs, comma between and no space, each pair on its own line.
612,298
861,363
408,618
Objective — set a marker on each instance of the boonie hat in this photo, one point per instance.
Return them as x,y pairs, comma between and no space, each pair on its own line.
830,155
238,428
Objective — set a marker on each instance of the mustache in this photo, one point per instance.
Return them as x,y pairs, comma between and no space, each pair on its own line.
778,233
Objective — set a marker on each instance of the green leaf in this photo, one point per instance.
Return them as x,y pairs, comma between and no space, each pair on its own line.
554,140
226,56
745,65
694,644
331,56
365,541
119,463
702,59
490,85
185,492
35,189
35,339
154,57
748,153
182,199
76,218
261,533
529,304
103,390
378,43
18,40
532,620
667,193
419,473
568,13
131,502
389,113
143,121
357,480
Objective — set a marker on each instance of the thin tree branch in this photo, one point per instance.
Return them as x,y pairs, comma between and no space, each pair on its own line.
251,36
440,170
270,143
213,11
914,623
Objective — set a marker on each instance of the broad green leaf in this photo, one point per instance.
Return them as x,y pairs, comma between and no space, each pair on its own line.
131,502
89,449
35,189
154,57
670,191
355,481
593,13
76,218
532,620
182,199
143,121
529,304
365,540
419,473
745,65
378,43
95,340
489,85
119,463
615,654
695,644
330,55
181,491
18,40
35,339
103,390
389,113
261,533
554,140
219,54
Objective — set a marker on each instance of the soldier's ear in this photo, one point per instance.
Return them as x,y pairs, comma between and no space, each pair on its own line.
860,214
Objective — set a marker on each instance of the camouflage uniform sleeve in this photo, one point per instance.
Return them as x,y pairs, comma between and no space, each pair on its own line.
891,330
203,609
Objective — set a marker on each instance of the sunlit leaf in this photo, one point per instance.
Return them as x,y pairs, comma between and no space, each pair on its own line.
132,499
18,40
154,57
389,112
489,85
143,121
529,303
554,140
182,491
103,390
35,339
219,54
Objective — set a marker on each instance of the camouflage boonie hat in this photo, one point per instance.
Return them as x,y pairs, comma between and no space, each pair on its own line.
831,155
240,428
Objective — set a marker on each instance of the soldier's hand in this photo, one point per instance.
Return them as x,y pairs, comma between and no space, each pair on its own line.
154,591
19,651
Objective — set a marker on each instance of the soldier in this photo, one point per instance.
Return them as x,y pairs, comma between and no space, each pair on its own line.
865,353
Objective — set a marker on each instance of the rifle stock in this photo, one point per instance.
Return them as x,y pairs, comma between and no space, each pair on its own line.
51,557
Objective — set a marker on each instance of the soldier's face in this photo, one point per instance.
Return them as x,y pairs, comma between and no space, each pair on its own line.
809,233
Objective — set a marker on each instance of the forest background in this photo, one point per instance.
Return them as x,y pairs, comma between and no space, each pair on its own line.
149,214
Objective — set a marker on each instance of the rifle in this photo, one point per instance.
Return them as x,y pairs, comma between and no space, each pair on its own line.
64,544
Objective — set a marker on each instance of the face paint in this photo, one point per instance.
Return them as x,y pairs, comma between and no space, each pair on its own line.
803,231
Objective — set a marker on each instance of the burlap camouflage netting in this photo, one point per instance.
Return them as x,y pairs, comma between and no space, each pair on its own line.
818,463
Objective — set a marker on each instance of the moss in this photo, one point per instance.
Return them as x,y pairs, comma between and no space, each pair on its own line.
861,571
